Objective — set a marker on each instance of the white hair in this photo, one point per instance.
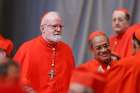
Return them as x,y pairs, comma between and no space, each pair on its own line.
49,15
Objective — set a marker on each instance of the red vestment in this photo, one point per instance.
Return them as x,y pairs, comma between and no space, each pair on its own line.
10,87
122,44
6,44
36,56
96,66
124,77
92,80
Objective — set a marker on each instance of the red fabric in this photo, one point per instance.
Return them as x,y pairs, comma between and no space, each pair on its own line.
93,65
10,88
93,80
122,44
123,10
79,77
137,34
6,44
35,57
124,77
96,33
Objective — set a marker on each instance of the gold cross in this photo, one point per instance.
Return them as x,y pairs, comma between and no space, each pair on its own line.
51,73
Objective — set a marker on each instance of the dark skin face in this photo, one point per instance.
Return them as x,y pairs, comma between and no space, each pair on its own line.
101,49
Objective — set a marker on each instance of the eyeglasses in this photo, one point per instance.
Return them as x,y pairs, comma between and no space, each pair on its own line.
54,26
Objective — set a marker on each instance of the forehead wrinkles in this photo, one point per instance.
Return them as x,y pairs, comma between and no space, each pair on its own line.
99,40
118,14
50,17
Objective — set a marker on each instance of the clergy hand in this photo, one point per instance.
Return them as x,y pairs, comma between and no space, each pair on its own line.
29,89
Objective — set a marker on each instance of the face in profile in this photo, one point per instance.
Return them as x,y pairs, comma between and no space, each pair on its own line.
119,22
52,27
100,48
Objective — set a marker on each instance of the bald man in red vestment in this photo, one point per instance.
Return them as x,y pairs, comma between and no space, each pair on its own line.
124,77
46,61
121,41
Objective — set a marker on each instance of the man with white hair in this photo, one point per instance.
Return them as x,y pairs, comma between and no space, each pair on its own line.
46,62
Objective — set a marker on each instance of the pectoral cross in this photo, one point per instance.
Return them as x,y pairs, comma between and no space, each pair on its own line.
51,73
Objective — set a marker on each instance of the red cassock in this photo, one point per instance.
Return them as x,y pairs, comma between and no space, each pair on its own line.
96,66
6,87
124,77
6,44
92,80
37,58
122,44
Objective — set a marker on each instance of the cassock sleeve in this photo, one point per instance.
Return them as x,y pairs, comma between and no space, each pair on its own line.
21,58
28,75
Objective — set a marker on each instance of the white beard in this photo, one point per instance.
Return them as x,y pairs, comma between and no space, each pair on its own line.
54,38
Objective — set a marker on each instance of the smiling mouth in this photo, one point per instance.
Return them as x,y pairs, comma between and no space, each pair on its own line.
105,55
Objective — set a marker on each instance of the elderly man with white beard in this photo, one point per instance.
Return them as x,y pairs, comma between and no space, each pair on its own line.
46,61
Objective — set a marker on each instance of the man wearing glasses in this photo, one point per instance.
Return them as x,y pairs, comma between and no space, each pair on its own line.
46,62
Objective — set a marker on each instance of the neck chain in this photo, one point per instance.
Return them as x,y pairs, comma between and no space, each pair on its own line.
52,72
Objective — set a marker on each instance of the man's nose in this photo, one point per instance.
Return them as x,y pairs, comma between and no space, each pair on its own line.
117,22
58,28
103,49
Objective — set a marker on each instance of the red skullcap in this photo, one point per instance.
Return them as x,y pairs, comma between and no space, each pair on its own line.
137,34
4,46
96,33
125,10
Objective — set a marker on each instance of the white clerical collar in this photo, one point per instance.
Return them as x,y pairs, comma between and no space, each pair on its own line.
100,68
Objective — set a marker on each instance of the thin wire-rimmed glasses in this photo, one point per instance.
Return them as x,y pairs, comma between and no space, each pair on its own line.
54,26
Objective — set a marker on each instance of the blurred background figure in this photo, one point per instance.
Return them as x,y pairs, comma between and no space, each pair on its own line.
124,77
121,40
83,81
9,77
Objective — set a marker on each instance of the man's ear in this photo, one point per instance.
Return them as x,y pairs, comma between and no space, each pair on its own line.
42,29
